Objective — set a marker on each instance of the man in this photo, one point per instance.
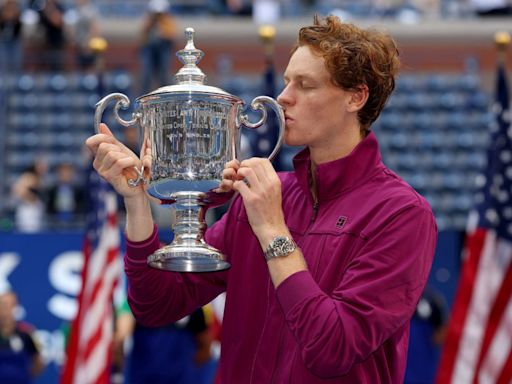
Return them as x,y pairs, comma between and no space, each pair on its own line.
20,359
327,262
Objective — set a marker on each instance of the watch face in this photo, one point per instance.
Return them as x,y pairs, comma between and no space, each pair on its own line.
281,246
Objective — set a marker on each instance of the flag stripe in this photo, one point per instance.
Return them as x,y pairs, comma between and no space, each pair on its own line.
92,369
108,287
495,319
474,246
485,285
89,350
506,373
100,294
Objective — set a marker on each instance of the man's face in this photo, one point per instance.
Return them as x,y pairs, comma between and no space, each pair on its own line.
315,109
8,303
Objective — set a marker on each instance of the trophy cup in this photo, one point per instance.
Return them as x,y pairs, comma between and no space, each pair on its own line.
193,130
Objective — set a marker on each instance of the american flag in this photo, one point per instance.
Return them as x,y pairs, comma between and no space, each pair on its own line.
89,353
478,346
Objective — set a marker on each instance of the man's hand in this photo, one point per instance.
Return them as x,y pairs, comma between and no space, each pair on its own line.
116,163
260,188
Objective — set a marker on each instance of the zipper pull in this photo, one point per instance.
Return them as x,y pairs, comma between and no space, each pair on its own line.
315,211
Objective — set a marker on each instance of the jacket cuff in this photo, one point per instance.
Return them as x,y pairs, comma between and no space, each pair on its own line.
295,289
137,252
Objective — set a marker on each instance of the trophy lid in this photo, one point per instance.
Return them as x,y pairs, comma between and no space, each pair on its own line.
190,78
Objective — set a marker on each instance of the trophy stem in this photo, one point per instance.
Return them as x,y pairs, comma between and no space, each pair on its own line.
188,251
190,222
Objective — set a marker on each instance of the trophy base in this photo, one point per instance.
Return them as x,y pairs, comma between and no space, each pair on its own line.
188,258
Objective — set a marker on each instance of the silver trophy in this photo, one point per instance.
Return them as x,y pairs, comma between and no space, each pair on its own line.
193,130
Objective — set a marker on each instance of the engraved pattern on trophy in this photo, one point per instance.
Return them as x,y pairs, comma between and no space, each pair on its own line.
192,130
192,142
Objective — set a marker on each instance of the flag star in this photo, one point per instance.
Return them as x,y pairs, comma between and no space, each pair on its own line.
502,196
492,216
506,156
494,190
507,213
508,172
506,116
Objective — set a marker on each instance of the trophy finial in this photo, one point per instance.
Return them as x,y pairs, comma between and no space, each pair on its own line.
189,34
502,39
190,56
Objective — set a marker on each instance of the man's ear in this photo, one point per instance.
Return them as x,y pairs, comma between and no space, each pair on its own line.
358,99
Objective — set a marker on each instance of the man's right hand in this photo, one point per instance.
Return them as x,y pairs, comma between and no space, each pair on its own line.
116,163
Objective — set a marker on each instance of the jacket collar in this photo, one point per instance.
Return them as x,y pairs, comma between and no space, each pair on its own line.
337,177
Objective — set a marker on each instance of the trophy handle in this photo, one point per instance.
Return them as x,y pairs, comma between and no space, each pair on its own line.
258,104
122,102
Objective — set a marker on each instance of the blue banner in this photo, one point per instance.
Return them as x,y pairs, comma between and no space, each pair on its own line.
44,270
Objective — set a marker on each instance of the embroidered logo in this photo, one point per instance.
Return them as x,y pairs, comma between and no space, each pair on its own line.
341,222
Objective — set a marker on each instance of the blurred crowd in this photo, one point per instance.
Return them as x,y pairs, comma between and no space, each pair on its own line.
39,205
55,25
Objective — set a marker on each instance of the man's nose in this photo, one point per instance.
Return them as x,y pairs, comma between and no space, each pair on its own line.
284,97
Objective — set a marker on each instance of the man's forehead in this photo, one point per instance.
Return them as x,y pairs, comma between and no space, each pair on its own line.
305,64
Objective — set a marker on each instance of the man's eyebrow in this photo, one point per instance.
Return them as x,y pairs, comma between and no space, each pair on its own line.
300,76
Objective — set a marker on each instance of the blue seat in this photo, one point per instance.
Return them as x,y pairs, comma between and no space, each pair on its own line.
26,83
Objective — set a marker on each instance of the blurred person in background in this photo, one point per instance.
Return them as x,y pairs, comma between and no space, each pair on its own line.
86,27
51,20
131,138
28,200
327,262
65,199
177,353
486,8
239,7
157,43
20,359
428,329
10,37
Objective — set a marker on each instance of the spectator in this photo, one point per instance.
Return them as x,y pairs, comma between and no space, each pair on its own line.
10,37
51,19
486,8
20,359
131,138
177,353
158,34
65,201
28,196
86,27
428,327
239,7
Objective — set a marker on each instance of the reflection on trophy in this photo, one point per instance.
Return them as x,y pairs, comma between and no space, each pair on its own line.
192,131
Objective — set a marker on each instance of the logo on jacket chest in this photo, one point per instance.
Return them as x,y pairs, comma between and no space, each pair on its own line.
340,223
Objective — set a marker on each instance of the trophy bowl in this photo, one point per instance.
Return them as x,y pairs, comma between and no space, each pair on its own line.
192,130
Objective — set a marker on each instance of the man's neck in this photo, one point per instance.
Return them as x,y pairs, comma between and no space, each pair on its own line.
335,148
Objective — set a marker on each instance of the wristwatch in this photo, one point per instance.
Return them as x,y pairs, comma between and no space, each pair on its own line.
280,246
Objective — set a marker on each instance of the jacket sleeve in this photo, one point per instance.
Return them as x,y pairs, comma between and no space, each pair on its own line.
159,297
375,297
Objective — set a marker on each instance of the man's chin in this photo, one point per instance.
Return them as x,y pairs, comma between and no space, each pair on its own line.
291,142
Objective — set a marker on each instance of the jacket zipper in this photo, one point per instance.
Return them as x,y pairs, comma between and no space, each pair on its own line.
315,212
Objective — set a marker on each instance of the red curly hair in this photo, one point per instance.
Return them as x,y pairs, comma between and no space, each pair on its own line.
355,57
